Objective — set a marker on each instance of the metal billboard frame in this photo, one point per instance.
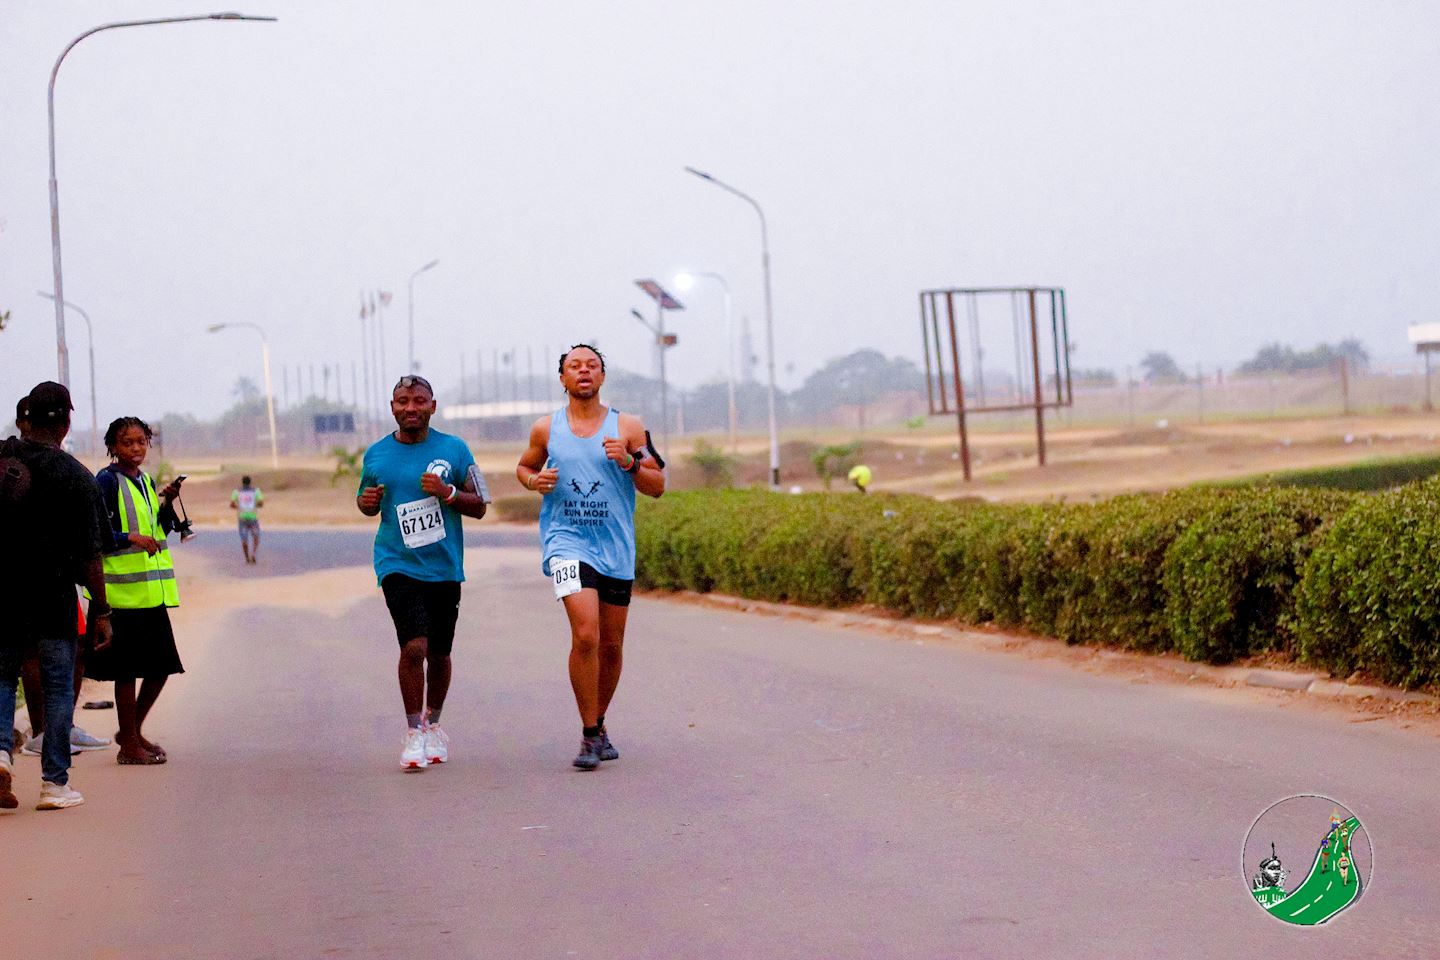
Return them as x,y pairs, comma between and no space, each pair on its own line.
936,374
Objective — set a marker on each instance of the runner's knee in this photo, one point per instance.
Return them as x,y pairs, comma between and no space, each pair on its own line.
414,650
585,640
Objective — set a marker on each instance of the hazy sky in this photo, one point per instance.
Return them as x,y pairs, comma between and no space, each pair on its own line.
1201,178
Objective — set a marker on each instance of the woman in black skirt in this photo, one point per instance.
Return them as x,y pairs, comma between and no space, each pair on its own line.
140,584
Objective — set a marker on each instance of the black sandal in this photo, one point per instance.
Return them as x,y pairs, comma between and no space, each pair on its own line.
144,760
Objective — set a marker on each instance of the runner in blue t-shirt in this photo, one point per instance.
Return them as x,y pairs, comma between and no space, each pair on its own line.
421,481
588,461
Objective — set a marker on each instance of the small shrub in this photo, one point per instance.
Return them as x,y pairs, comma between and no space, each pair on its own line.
717,469
348,463
834,461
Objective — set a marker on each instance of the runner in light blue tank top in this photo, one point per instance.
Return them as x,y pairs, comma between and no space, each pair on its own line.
587,460
591,514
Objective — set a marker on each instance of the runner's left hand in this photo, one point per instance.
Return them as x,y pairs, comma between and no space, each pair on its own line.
615,449
433,485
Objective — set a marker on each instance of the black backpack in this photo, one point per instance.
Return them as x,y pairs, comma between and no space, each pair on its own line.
14,474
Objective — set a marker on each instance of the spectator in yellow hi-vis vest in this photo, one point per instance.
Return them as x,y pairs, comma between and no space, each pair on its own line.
140,584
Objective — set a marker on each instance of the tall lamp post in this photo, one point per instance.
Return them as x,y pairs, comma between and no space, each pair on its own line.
269,390
62,352
769,317
684,282
663,301
411,301
90,331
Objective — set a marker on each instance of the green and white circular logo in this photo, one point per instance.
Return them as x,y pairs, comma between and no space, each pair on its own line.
1306,859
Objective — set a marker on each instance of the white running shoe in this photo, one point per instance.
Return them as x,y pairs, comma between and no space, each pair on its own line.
7,796
413,756
80,740
56,796
437,744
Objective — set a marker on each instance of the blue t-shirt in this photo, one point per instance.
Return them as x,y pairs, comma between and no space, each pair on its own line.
419,536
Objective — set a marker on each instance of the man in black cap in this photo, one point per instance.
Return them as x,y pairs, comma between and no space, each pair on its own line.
80,740
49,509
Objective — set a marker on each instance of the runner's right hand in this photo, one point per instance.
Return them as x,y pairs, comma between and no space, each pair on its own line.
145,543
370,498
546,480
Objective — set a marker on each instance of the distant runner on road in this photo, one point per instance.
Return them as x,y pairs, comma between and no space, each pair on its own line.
587,460
420,482
247,501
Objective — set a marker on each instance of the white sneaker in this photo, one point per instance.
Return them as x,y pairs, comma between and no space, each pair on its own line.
55,796
7,795
80,740
413,756
437,744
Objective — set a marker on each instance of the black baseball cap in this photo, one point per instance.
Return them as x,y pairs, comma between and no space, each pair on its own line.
48,402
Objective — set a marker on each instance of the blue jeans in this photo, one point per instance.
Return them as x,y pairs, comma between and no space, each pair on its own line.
57,678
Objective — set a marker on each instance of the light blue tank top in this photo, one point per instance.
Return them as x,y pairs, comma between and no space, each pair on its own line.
590,515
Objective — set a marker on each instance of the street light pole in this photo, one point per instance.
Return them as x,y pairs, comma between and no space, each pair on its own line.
683,282
90,332
663,301
269,389
769,317
62,353
411,301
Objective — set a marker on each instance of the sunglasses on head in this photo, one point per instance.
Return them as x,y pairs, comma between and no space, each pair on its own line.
410,380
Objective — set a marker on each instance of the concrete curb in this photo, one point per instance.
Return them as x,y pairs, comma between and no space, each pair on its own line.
1294,681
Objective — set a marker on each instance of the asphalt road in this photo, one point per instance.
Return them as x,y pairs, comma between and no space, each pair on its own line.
786,789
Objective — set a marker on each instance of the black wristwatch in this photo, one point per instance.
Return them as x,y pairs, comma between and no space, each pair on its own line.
635,458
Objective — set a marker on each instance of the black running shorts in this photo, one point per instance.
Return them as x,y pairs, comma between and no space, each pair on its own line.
423,608
613,591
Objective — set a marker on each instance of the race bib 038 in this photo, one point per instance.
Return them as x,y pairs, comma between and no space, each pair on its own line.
421,522
565,574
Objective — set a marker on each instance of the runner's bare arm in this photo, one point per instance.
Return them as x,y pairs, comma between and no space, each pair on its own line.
468,500
530,471
649,479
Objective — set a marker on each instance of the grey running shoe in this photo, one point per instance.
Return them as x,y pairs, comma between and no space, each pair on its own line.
607,749
80,740
589,756
35,746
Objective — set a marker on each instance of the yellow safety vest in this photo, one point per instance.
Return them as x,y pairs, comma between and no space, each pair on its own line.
134,580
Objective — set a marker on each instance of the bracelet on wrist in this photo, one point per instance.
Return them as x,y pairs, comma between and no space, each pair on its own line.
454,492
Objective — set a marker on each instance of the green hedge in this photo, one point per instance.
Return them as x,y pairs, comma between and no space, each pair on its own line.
1370,599
1213,573
1365,476
1230,577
